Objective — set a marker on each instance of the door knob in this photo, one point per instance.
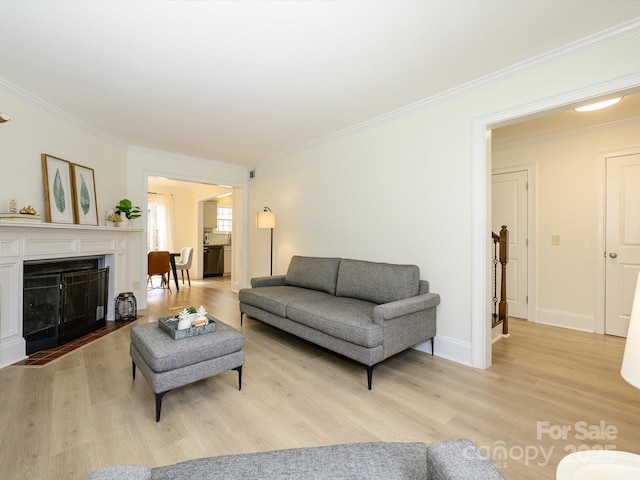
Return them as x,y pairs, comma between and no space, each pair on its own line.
613,255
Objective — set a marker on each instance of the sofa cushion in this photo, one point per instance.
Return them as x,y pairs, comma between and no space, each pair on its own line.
348,319
356,461
276,299
377,282
316,273
120,472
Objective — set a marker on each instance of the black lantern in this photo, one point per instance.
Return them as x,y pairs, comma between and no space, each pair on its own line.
126,307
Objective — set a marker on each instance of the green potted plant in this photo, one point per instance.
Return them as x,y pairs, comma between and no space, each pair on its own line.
130,212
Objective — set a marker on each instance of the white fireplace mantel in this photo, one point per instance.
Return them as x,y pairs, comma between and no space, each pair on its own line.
23,242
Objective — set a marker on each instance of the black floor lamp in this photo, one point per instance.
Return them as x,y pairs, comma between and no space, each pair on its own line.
267,219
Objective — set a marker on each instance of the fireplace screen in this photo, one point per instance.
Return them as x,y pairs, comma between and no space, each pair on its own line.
41,311
63,301
84,303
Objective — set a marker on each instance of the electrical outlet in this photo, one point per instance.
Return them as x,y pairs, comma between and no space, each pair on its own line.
555,239
136,285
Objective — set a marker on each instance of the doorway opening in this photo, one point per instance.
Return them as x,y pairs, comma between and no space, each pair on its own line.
178,217
506,132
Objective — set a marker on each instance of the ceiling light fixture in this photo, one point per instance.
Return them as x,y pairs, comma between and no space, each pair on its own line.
5,118
598,105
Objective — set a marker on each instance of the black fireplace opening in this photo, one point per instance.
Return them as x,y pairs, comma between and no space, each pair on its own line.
63,299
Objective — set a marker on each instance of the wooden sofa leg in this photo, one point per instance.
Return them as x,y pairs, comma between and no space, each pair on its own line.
432,345
133,367
369,375
241,317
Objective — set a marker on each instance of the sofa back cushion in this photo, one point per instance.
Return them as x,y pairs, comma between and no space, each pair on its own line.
377,282
317,273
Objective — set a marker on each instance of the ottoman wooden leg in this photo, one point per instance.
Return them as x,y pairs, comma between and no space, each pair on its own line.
133,368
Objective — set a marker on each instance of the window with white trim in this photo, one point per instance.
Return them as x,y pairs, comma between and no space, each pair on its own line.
225,215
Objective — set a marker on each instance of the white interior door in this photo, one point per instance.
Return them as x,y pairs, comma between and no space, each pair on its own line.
622,243
509,206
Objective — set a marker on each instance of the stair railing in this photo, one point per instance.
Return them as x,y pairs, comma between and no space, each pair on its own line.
500,312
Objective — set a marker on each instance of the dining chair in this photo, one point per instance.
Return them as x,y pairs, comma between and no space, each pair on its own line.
158,263
184,262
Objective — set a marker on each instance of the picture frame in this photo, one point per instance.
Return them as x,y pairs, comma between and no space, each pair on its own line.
84,193
58,190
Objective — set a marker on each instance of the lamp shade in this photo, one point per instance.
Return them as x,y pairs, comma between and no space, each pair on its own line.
631,360
266,220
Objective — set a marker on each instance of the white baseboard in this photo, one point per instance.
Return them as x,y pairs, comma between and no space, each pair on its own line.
449,348
574,321
496,333
12,352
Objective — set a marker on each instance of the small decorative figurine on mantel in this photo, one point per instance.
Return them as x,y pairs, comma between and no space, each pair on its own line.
113,219
28,210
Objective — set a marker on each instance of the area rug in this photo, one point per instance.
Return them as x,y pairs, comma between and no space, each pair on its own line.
42,357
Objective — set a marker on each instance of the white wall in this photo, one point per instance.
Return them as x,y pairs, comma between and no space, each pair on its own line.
120,171
398,190
35,130
403,189
568,181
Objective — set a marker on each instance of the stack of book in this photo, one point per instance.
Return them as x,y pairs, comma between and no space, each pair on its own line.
20,217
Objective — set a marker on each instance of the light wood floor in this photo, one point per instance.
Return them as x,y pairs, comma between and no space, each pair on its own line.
83,411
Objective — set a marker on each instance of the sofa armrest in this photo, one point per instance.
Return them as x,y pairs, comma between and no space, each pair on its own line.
272,281
407,306
459,460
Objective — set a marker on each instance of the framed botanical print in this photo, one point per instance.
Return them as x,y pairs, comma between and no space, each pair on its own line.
84,187
58,189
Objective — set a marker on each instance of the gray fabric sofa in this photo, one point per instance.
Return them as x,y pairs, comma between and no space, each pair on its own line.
366,311
449,460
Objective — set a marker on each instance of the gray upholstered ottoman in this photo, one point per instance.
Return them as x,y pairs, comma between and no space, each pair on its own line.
167,363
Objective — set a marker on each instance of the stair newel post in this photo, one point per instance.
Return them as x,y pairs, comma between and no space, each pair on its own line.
503,311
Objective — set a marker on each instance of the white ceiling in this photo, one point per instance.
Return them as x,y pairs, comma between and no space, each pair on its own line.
241,81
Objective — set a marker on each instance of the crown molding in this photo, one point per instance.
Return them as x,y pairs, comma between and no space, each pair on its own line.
57,111
599,39
604,37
